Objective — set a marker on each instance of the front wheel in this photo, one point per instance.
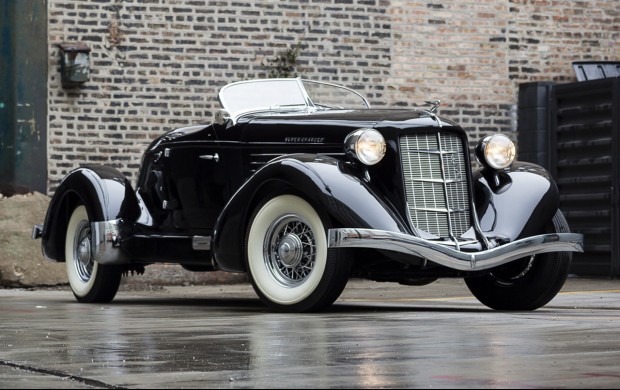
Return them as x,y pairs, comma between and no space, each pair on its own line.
90,281
528,283
289,264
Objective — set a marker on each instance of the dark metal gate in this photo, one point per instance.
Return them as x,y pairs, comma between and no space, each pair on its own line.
574,131
586,133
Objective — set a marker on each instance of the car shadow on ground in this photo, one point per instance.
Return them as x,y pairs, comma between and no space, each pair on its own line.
255,305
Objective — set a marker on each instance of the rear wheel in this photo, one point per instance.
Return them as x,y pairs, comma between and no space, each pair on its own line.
528,283
289,264
90,281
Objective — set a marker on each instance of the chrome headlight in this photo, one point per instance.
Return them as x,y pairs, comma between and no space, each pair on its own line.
367,145
496,151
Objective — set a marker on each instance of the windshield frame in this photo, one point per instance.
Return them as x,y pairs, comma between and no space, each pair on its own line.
307,107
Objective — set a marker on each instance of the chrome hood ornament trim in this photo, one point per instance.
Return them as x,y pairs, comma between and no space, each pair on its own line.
432,111
434,105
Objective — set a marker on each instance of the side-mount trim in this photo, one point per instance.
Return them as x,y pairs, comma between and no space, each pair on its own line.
105,243
201,243
37,232
440,254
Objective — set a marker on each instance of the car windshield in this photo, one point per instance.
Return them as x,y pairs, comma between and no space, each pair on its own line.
286,95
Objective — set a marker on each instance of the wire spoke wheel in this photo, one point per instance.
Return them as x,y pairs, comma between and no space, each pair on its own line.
84,264
513,272
290,250
287,258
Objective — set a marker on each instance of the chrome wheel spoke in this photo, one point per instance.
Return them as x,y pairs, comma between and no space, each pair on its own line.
290,250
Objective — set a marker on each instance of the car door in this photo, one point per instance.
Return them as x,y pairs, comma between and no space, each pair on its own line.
198,186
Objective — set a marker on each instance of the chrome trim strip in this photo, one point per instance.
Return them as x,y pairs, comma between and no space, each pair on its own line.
210,157
461,243
447,194
442,210
440,254
105,243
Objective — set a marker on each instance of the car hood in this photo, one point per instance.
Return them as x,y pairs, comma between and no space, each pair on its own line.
331,126
322,127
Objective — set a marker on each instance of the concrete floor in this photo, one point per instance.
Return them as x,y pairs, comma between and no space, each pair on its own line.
376,336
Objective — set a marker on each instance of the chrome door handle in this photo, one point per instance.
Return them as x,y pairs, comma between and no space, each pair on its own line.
215,157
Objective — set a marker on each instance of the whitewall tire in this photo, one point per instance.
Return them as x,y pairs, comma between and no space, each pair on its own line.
89,280
287,257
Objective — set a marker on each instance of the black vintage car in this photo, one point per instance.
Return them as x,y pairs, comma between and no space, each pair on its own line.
302,185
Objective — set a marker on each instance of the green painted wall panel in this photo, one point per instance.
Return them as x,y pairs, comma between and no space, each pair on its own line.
7,99
23,94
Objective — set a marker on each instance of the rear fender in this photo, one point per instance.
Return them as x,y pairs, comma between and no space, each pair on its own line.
106,194
336,190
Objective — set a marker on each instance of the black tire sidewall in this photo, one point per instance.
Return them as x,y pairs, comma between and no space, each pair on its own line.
536,288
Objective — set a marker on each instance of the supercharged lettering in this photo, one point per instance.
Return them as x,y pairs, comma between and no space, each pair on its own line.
306,140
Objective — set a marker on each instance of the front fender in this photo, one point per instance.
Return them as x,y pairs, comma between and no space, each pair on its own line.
336,190
517,203
104,191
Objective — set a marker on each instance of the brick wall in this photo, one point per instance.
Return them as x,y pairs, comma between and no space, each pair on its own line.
158,64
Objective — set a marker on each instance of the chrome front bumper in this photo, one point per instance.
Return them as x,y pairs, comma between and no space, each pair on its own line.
452,258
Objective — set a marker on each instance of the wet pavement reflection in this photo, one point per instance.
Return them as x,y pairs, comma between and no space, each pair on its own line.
204,337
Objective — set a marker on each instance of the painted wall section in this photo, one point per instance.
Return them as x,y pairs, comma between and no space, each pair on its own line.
7,165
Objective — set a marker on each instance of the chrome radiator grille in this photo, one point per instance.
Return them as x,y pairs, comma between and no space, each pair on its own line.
435,178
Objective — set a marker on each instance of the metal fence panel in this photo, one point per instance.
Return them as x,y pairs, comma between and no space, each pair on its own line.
586,164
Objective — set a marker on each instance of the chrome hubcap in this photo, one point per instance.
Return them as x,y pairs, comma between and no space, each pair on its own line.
290,250
82,253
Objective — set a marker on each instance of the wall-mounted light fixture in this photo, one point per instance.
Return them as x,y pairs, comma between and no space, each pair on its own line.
74,63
